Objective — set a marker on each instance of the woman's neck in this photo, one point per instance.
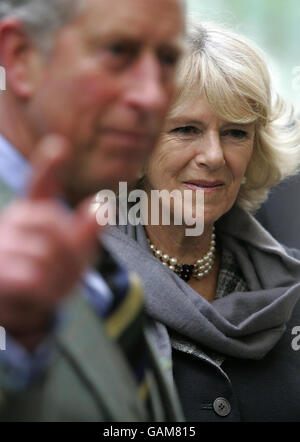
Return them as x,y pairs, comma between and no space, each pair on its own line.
172,240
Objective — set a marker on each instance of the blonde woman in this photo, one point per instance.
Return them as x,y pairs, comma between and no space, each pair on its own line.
225,302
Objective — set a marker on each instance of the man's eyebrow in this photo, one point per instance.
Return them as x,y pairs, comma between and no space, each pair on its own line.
178,43
173,46
102,36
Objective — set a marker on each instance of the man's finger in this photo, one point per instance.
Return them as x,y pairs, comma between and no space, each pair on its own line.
49,164
86,228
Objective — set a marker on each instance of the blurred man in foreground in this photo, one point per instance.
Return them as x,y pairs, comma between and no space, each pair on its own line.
88,87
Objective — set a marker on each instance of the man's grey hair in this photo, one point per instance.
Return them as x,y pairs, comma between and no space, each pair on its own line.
41,18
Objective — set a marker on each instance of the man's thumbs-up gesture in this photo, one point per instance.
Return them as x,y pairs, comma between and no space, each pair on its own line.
44,247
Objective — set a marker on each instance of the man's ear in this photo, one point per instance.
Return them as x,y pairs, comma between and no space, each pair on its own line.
19,58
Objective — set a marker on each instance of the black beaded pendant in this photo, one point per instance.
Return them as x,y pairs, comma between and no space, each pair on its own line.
185,271
199,270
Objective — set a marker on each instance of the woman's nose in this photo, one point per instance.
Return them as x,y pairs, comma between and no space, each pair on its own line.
209,152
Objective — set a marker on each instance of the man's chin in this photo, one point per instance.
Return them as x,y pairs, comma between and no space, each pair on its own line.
113,184
108,178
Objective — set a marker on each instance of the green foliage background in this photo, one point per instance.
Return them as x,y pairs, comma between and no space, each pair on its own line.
274,25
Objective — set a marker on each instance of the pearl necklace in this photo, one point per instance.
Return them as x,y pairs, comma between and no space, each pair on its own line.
199,270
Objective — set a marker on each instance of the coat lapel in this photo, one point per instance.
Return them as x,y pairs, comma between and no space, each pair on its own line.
99,360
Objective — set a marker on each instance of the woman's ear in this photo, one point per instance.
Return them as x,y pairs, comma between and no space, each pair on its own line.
19,58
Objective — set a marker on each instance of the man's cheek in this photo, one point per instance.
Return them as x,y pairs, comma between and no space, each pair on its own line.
96,91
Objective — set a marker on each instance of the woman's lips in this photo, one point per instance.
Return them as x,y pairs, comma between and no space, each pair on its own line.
206,186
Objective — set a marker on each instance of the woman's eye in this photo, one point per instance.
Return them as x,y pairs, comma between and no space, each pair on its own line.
236,133
185,130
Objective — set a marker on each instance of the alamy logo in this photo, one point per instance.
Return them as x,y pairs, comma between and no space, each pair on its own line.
2,79
2,338
296,339
185,208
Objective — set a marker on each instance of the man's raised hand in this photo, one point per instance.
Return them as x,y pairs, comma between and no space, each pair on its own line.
44,247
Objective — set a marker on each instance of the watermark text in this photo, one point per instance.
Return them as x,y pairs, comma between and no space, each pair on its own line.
296,339
159,207
2,338
2,79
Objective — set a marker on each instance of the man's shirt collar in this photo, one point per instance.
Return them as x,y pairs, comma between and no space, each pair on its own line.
14,168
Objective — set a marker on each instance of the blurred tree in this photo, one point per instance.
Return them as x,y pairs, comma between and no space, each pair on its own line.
272,24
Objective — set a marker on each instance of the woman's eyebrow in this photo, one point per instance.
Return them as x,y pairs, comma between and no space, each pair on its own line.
241,125
185,120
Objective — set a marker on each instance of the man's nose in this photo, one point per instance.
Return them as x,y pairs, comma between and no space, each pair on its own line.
209,151
148,90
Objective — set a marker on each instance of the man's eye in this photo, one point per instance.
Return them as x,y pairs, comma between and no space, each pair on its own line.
119,49
168,58
236,133
185,130
120,54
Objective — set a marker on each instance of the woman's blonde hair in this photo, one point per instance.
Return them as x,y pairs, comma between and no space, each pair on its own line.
233,75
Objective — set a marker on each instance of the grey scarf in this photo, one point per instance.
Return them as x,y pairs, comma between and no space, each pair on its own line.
244,324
